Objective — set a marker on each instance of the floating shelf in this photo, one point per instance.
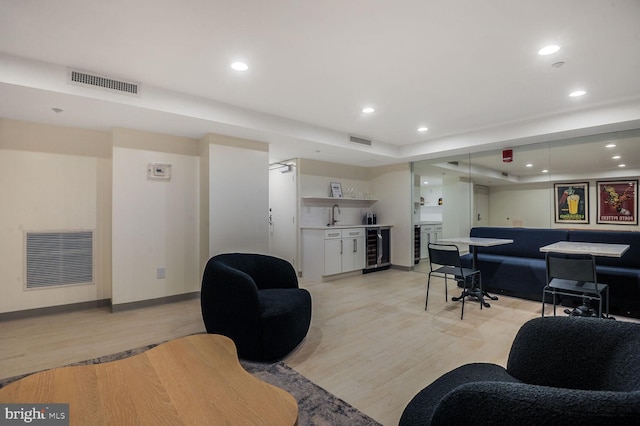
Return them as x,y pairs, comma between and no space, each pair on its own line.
338,200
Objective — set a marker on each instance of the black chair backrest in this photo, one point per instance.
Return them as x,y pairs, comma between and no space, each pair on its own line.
571,267
444,254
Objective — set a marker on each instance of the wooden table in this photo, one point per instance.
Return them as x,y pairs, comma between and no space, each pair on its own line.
194,380
474,291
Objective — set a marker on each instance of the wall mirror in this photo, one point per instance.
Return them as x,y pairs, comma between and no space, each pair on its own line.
523,186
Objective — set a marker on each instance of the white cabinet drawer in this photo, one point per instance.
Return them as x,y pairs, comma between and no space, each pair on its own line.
353,232
330,234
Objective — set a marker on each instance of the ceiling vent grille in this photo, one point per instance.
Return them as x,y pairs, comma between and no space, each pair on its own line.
101,82
361,141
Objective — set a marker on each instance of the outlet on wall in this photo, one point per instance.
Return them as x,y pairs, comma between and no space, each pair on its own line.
160,273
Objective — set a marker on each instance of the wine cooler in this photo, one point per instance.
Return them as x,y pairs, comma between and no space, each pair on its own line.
378,248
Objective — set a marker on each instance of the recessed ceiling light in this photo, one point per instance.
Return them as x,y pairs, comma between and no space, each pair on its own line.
426,182
528,165
423,129
577,93
545,171
622,165
616,157
368,110
239,66
548,50
610,145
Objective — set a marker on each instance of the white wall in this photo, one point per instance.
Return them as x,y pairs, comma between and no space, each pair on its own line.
238,195
52,179
155,223
527,205
532,206
431,211
456,207
315,180
392,186
58,178
352,211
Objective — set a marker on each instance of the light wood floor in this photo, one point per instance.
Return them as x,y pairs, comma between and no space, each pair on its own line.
371,342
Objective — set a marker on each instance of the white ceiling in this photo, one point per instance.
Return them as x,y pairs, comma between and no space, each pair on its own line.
467,69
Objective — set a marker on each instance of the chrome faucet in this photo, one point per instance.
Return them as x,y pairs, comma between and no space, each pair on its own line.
333,214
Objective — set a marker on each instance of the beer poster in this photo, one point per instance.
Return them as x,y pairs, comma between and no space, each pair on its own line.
571,202
618,202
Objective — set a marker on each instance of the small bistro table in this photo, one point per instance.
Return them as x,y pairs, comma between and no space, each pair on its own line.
577,247
474,291
594,249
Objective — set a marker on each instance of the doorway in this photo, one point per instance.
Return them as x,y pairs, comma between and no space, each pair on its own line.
283,202
481,205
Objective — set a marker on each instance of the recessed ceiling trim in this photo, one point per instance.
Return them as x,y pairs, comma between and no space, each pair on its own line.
96,81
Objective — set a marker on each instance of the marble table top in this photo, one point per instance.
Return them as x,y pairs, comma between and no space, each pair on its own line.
476,241
596,249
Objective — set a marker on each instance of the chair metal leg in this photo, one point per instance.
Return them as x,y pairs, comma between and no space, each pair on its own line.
446,295
481,293
464,287
427,299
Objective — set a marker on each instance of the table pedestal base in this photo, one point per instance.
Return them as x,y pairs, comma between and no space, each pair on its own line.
476,293
585,310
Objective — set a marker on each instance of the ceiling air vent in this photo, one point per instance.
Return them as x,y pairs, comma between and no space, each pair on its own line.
101,82
505,174
361,141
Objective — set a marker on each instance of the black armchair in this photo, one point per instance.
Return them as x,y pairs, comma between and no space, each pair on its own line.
255,300
561,370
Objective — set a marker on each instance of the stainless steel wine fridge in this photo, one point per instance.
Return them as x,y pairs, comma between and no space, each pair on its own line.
378,249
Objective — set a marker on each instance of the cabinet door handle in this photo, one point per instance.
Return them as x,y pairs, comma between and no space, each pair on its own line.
341,244
355,245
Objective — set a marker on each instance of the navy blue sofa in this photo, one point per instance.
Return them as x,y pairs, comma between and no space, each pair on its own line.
519,269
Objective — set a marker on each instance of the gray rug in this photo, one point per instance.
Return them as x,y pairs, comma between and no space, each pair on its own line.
316,406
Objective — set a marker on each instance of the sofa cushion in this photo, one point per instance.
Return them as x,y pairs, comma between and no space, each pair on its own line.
515,276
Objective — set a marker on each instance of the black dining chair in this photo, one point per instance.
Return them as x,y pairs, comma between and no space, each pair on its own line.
574,275
444,262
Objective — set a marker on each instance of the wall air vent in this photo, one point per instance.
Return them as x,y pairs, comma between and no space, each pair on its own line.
101,82
361,141
58,258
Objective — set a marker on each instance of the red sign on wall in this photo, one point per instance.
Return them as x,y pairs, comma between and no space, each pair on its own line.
507,155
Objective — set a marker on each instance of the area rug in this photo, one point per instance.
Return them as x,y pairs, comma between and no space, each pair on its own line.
316,406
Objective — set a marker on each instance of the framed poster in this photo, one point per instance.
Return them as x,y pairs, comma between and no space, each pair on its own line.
618,202
336,189
571,202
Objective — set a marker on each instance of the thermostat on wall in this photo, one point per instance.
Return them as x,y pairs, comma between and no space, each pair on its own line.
159,171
